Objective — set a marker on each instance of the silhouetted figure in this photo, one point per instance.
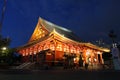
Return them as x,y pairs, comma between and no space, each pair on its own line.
80,61
86,65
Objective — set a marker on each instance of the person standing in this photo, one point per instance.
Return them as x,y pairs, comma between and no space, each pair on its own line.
81,60
116,57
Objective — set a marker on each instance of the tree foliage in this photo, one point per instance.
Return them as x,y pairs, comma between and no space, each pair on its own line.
4,41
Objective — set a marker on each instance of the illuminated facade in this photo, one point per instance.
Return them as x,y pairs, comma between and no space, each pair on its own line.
58,41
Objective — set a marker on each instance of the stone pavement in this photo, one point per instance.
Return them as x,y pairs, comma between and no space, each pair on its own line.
90,67
59,75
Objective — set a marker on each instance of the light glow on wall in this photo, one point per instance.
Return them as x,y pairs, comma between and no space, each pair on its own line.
52,47
98,52
88,52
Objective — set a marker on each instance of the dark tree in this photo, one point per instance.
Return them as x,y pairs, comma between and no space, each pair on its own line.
4,41
112,35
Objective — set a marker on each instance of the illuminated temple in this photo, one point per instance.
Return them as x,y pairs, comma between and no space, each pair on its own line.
50,42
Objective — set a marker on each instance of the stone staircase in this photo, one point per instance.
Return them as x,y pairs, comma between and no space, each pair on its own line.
26,65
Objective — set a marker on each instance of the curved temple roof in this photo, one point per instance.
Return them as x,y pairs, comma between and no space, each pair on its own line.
61,30
50,27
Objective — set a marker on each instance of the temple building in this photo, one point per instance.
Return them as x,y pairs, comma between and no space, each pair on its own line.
52,43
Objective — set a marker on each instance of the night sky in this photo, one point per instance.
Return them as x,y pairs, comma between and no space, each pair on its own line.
91,20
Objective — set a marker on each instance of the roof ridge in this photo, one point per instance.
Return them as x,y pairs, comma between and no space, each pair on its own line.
55,25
